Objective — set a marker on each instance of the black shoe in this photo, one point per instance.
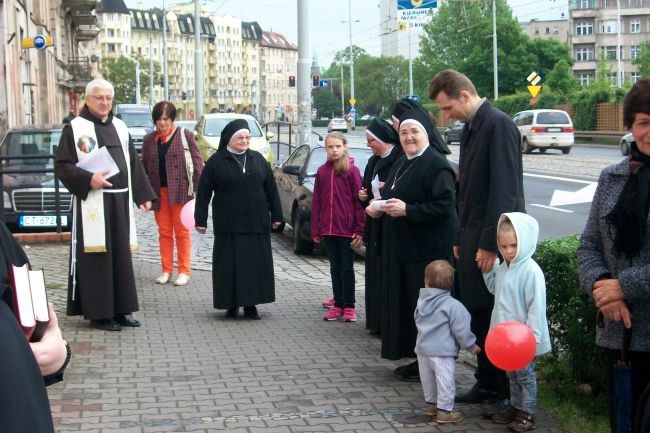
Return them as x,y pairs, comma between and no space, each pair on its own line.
498,407
231,313
251,313
125,320
105,325
409,372
477,395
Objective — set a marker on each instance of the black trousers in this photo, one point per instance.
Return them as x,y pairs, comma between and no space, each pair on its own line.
487,375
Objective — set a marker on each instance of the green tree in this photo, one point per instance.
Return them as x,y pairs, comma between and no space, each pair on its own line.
548,52
120,71
460,37
561,80
344,55
326,102
642,62
379,82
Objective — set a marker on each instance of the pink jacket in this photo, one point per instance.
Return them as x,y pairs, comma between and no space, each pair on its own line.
335,207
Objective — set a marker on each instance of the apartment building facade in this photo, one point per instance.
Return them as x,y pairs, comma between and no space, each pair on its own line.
41,85
611,30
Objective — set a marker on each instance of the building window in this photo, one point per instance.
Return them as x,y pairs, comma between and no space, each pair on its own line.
583,4
110,48
635,26
634,52
610,53
585,79
585,54
611,77
110,33
609,26
584,28
634,77
547,30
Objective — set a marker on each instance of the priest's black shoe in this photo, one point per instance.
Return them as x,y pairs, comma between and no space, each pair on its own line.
251,313
105,325
409,372
477,395
125,320
231,313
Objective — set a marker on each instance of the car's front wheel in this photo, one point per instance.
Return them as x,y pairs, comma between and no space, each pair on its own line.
525,147
625,148
300,245
566,150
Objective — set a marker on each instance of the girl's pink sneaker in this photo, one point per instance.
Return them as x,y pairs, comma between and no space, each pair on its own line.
349,315
328,304
333,314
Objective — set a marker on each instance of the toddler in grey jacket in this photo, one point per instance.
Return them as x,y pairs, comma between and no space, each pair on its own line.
443,328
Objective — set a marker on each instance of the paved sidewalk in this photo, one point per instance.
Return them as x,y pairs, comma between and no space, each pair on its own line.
188,369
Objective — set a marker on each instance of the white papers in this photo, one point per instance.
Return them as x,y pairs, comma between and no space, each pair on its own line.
378,205
375,187
98,161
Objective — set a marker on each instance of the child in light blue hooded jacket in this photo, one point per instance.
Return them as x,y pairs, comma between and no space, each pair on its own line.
519,290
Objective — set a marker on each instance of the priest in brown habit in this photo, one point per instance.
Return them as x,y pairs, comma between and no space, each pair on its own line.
101,283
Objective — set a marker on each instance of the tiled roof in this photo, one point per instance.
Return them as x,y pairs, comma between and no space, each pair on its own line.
117,6
277,40
251,31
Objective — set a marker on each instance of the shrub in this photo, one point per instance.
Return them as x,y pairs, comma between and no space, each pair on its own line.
570,312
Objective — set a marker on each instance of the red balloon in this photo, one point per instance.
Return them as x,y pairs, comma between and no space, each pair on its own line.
510,346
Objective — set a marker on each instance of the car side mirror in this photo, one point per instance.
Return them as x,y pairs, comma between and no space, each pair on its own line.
293,170
119,116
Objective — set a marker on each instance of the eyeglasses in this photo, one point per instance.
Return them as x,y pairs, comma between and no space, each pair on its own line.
102,98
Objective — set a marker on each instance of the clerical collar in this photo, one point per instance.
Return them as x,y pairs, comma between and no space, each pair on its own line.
385,154
471,115
234,152
417,154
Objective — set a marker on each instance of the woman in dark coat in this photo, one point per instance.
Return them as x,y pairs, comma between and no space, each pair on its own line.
419,224
245,201
384,142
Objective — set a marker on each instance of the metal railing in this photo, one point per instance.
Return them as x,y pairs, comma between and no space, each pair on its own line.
280,128
45,170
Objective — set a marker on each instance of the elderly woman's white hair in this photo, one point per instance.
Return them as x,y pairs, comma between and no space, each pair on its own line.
99,84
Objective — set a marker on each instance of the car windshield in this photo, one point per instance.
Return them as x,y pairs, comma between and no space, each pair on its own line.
18,143
188,124
319,156
137,120
552,118
213,127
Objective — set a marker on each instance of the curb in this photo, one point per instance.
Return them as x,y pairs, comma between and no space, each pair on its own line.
39,238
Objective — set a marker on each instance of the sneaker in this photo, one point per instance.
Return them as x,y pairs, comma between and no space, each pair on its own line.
506,416
163,278
523,422
445,417
431,409
333,314
349,315
182,280
328,304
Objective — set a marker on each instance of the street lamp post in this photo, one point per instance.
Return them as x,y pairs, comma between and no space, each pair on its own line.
352,109
166,77
494,50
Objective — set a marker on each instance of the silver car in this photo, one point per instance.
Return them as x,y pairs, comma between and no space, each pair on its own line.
337,124
626,143
545,129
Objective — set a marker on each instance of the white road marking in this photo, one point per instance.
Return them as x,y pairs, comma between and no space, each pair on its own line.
551,208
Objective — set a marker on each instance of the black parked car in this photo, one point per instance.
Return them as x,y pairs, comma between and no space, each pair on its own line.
29,199
452,133
295,179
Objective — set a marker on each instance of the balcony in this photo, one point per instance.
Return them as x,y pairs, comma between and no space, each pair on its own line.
87,33
79,5
83,19
583,39
80,70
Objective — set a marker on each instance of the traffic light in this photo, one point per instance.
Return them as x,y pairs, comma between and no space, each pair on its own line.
292,81
315,81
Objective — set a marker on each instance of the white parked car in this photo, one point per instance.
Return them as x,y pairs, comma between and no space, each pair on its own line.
545,129
337,124
626,143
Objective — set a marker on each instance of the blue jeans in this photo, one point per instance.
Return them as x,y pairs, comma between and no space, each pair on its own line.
523,388
342,270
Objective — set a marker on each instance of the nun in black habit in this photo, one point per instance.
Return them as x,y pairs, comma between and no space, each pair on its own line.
245,202
435,139
384,142
419,225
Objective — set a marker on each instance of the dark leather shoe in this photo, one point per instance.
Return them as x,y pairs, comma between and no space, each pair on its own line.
125,320
231,313
477,395
409,372
500,406
105,325
251,313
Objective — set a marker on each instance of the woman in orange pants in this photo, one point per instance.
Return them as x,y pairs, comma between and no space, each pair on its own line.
173,164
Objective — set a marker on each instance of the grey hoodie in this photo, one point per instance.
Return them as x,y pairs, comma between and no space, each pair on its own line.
443,324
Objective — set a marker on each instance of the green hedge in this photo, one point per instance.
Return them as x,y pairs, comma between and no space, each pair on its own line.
570,312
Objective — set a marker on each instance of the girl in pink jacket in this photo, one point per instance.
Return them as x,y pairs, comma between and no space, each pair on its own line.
337,218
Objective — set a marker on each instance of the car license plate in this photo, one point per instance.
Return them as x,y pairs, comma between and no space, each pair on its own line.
553,129
41,220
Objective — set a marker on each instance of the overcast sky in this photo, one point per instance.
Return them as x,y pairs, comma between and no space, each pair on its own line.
327,33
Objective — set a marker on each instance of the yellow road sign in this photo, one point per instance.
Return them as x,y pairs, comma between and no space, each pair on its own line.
534,90
353,101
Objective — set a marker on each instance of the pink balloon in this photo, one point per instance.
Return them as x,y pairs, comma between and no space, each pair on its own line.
187,215
510,346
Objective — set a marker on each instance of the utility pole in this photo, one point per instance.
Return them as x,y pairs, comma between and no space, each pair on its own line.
352,100
494,50
198,60
164,66
150,73
342,92
137,81
304,75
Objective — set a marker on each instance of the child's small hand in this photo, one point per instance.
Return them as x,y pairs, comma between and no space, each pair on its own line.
475,350
316,239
